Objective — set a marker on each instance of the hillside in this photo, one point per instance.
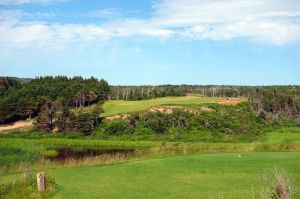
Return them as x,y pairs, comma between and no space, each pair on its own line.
114,107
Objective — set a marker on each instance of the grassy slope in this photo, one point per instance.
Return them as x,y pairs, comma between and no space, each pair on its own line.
193,176
115,107
284,135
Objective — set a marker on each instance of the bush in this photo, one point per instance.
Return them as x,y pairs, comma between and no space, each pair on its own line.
84,123
115,128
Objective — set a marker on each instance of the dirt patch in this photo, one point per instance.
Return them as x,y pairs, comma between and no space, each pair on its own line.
229,102
21,125
117,117
162,109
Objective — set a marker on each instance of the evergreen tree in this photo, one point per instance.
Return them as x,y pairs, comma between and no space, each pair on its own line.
46,117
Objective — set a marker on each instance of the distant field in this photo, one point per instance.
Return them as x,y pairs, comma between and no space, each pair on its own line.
227,175
115,107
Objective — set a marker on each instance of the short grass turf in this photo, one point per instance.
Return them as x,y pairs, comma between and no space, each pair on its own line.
115,107
226,175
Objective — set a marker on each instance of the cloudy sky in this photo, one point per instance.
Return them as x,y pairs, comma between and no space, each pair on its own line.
135,42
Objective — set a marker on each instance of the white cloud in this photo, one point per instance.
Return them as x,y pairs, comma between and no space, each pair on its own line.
10,16
50,36
272,21
188,12
275,22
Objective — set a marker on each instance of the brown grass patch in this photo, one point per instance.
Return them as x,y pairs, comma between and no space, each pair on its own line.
229,102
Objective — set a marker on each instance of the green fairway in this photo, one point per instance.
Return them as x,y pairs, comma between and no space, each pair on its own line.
229,176
115,107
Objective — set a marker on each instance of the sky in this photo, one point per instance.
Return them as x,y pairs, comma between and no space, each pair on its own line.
143,42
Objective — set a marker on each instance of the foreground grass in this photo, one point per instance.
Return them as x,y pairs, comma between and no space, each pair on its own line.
225,175
115,107
229,175
213,169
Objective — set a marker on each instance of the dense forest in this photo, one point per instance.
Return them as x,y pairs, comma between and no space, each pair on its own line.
21,101
149,92
52,100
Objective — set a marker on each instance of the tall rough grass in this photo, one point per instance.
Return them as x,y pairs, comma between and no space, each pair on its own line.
26,187
277,185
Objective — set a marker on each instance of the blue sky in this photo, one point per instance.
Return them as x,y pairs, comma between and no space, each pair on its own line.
134,42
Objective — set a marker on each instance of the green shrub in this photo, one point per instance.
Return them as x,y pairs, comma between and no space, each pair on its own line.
229,123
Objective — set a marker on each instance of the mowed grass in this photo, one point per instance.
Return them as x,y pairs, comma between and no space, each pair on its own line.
225,175
115,107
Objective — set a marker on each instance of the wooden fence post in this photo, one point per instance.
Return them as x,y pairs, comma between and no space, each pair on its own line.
40,177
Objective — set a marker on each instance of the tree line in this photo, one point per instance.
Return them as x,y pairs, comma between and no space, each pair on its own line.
272,102
149,92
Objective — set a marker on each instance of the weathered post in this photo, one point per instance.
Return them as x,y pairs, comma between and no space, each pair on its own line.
40,177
